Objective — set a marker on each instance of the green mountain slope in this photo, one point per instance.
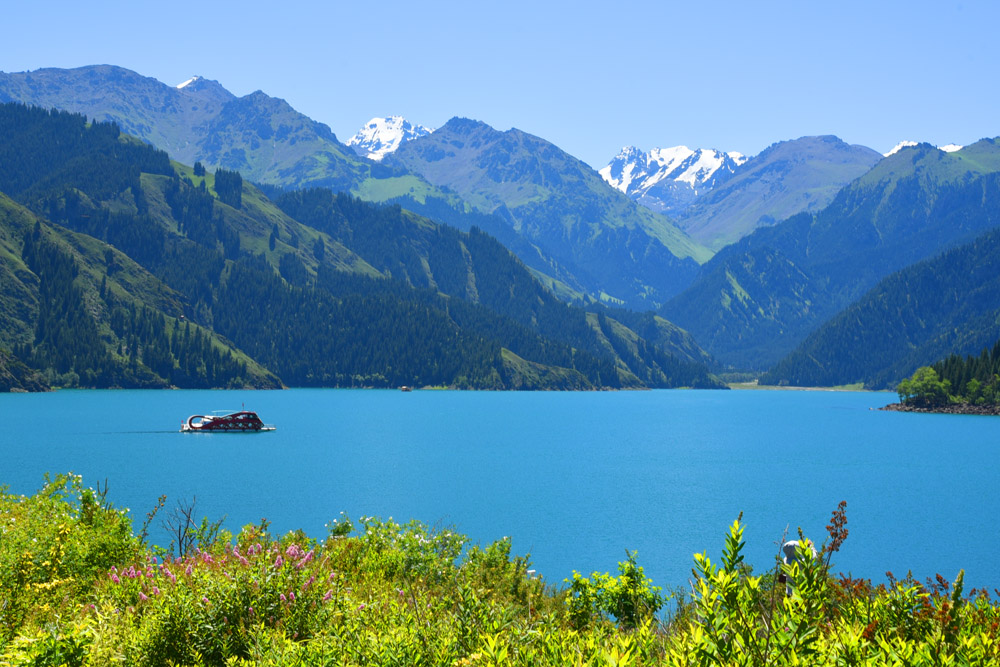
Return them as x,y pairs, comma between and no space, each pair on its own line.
788,177
211,249
267,141
469,266
946,305
621,252
756,300
260,136
86,315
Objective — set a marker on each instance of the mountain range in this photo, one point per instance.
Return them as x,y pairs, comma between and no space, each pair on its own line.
625,253
948,304
122,268
789,177
267,141
757,299
782,262
668,180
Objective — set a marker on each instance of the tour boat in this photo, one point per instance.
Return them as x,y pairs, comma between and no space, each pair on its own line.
243,421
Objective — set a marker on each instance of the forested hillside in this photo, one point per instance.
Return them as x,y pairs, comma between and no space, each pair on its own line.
177,276
948,304
268,141
756,300
620,253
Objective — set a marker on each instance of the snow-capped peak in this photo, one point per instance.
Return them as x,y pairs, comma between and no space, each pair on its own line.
666,179
900,146
947,148
381,136
188,82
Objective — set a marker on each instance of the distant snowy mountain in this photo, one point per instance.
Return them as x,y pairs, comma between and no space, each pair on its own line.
669,179
381,136
947,148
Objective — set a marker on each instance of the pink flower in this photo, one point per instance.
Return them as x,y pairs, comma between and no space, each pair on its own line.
142,596
329,594
204,600
361,606
114,578
306,585
187,571
278,562
291,596
156,591
250,610
283,598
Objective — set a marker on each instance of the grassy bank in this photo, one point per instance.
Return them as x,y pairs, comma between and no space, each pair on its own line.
80,586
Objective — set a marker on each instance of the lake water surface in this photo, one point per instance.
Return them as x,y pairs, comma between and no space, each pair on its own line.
575,478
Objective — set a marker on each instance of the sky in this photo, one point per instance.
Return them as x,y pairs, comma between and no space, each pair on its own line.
590,77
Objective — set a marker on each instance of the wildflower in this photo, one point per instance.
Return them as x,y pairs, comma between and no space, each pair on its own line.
250,610
306,585
187,571
278,562
329,594
142,596
291,596
114,578
283,598
361,606
204,600
156,591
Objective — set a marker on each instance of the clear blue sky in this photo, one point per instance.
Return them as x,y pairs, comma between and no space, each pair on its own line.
588,76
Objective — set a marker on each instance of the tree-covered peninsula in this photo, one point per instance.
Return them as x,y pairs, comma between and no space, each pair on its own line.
969,385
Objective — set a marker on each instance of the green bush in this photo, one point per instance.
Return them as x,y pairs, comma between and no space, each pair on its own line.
79,589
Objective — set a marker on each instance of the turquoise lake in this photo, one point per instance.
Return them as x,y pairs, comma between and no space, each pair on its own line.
574,478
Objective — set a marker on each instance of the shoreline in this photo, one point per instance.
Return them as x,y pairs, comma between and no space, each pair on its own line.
956,409
753,386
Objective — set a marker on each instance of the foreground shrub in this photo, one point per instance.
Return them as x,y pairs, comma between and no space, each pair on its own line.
79,589
54,546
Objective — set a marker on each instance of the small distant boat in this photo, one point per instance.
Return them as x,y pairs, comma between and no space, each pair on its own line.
406,388
243,421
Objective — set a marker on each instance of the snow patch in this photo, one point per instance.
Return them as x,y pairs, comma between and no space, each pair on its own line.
634,172
947,148
900,146
381,136
188,82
